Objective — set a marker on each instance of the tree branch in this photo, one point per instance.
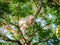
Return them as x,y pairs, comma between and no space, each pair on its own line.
43,40
14,25
33,34
11,41
6,39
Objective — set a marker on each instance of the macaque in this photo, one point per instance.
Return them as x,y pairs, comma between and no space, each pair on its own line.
25,22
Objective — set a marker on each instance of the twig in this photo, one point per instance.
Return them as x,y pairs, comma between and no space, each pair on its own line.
6,39
33,34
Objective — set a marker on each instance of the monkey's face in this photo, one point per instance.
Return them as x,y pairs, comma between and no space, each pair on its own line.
26,21
31,19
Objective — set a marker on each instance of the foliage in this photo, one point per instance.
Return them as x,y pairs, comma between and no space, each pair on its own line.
43,30
57,31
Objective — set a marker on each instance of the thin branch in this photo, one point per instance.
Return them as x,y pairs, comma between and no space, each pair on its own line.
14,41
33,34
44,40
41,27
6,39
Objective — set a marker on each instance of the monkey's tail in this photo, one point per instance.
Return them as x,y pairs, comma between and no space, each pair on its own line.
38,9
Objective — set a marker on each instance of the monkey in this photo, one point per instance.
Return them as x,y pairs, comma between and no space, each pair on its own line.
25,22
28,20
